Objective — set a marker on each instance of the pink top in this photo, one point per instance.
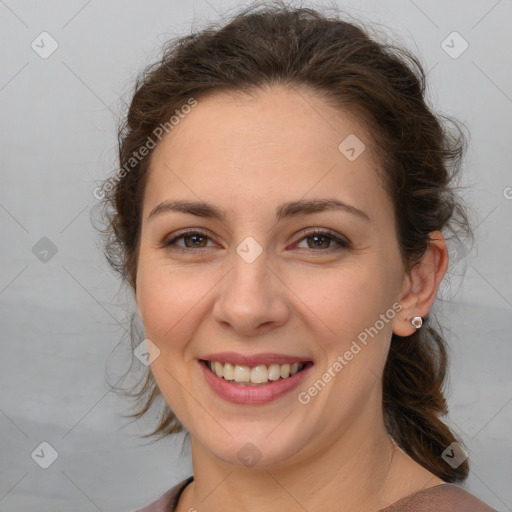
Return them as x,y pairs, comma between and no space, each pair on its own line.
440,498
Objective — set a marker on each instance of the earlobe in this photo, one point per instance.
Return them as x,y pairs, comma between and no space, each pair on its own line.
421,285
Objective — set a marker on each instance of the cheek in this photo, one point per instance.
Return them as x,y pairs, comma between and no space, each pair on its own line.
350,302
168,300
171,303
344,300
349,331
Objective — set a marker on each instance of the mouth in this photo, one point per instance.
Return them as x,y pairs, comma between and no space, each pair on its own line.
257,375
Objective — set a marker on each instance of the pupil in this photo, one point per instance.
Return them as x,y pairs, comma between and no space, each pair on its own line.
318,240
194,239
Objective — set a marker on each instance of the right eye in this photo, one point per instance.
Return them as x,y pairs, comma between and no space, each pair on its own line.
191,240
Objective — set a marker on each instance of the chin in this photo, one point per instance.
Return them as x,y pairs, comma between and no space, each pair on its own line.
254,447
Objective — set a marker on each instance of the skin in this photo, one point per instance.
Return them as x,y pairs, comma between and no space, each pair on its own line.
246,155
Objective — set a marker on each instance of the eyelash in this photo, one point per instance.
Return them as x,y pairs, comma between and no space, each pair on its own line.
342,242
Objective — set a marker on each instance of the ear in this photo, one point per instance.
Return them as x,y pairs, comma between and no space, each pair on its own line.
420,285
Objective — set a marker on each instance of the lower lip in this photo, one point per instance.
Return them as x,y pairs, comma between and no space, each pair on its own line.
253,395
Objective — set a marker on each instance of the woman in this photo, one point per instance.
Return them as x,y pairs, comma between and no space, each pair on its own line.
279,214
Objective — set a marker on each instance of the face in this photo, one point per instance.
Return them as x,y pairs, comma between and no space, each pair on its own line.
290,256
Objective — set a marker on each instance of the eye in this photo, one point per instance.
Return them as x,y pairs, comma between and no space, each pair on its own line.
323,239
316,240
191,240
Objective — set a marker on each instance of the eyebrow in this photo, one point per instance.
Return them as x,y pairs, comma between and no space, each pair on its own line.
289,209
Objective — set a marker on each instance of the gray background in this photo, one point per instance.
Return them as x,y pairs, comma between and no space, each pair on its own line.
63,318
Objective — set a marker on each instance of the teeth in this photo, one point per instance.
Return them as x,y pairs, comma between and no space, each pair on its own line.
242,373
228,371
285,370
260,374
219,369
274,372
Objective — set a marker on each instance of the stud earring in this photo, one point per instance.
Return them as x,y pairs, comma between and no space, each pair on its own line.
416,321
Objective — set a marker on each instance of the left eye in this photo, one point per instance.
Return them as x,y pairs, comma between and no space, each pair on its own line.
322,240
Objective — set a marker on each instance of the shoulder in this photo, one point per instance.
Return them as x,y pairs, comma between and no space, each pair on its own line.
440,498
168,501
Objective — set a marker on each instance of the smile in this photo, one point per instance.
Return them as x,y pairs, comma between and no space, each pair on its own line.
254,383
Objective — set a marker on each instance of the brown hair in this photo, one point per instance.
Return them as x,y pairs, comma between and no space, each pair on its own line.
383,85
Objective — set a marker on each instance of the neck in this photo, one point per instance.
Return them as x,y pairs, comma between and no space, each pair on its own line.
357,470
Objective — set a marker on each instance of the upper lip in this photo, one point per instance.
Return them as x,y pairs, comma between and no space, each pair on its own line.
266,358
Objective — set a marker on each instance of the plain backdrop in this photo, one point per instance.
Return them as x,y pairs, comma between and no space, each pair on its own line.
62,313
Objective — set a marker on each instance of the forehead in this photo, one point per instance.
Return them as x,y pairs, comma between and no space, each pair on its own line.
269,146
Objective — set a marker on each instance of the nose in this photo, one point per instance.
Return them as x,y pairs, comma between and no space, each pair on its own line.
251,299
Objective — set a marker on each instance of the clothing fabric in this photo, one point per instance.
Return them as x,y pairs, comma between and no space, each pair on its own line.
440,498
